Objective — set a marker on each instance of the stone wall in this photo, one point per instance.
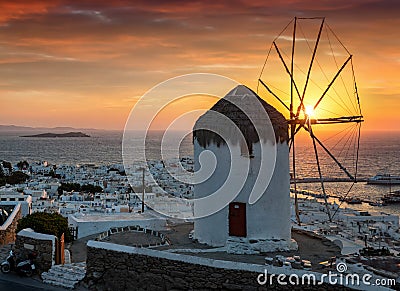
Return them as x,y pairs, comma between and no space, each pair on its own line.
115,267
42,244
9,227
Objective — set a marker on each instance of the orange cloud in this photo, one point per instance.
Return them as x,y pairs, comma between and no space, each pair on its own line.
104,52
12,10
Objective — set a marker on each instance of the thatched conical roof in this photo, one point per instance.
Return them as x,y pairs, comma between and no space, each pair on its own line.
245,109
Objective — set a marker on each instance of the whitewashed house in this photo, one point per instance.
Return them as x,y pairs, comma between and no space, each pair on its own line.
41,168
36,194
12,197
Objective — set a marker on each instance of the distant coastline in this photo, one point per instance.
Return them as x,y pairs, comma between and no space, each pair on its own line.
62,135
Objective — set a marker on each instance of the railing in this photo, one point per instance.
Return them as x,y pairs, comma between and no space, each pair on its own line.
74,232
11,217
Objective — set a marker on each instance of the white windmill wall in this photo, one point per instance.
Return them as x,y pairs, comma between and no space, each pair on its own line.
213,229
268,218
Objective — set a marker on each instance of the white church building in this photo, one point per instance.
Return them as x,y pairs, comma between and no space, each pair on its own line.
244,204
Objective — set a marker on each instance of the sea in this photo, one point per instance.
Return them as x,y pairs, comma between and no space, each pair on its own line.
379,153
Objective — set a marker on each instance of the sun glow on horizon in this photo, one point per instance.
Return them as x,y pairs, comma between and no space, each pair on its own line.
309,111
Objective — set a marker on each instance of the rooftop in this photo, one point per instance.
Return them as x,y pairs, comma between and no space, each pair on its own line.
246,109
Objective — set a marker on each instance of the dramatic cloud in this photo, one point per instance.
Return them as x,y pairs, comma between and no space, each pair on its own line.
101,53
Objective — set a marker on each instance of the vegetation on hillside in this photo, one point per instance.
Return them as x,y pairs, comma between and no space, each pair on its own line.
79,188
7,165
23,165
15,178
48,223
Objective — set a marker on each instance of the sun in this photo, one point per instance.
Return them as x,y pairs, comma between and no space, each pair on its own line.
309,110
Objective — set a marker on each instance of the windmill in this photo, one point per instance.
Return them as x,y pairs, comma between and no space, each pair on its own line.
311,77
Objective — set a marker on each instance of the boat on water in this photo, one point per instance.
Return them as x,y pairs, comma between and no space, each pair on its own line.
392,198
351,200
384,179
377,203
308,193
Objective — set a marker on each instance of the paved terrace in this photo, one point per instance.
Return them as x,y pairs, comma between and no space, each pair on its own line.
311,248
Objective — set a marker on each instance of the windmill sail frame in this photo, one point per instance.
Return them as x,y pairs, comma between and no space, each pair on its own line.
298,117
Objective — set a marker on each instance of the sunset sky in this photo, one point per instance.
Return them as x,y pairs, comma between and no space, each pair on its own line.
86,63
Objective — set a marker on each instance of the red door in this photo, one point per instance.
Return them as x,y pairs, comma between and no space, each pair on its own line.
60,256
237,219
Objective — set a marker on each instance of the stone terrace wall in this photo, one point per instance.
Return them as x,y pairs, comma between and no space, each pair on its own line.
115,267
9,227
42,244
137,228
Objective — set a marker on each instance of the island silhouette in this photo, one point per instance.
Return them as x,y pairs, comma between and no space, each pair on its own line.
68,134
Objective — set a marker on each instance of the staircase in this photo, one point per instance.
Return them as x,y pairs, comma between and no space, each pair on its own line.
67,275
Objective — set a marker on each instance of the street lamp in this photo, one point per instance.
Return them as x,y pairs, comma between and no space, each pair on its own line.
143,169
